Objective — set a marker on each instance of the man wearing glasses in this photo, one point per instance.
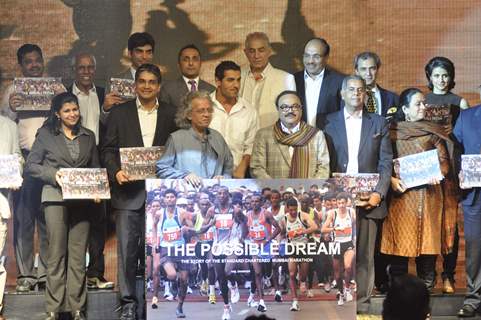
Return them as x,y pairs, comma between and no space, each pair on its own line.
317,85
290,148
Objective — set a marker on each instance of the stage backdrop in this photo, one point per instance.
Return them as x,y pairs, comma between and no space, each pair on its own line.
406,34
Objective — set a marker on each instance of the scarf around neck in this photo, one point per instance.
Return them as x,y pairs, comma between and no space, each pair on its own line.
300,142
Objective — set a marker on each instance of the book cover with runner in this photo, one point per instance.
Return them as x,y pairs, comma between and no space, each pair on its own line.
85,183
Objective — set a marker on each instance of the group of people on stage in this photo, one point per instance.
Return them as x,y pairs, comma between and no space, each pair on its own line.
257,121
220,222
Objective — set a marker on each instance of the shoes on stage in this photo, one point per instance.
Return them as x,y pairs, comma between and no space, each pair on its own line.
23,285
99,283
467,311
310,293
51,316
448,286
78,315
128,312
155,300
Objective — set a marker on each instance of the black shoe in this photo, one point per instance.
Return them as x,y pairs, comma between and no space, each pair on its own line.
467,311
51,316
23,285
129,312
78,315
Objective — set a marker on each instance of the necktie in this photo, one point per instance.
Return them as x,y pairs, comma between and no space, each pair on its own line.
371,101
193,86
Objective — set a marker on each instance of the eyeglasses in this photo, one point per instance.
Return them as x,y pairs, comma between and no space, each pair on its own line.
293,107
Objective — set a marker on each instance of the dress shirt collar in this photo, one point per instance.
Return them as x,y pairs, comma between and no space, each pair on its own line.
132,71
237,106
186,80
355,115
76,91
374,89
140,106
289,131
263,73
315,78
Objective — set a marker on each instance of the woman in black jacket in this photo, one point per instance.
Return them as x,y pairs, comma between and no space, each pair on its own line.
62,142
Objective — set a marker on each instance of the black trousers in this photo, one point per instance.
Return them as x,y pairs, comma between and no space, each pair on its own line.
130,229
425,268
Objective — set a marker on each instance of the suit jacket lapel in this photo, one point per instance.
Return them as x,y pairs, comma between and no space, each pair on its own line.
365,129
302,91
341,131
183,87
83,143
284,151
62,147
323,93
158,127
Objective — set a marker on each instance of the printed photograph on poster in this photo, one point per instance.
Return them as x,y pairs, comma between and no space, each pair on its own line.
418,169
245,235
125,88
470,171
37,93
438,114
359,185
85,183
139,162
10,175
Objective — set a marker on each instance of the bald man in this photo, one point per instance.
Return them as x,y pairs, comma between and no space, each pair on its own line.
317,85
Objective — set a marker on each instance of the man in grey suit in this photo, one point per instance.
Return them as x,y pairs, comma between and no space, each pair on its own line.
141,46
189,59
359,143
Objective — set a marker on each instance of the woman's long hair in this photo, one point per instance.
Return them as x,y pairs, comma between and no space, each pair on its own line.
53,122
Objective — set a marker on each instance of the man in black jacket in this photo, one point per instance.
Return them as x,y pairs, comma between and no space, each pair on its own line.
359,143
317,85
143,122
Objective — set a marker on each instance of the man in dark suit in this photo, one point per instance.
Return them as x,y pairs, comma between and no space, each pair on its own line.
317,85
91,99
382,101
189,61
468,132
359,143
143,122
141,46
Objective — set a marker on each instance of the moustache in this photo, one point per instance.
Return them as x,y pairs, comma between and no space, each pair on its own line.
290,114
